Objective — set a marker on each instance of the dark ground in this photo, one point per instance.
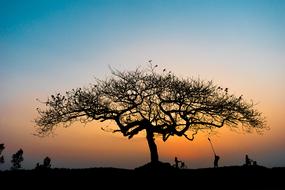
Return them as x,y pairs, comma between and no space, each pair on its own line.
232,177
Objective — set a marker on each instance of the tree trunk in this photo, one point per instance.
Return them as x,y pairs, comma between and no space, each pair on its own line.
152,146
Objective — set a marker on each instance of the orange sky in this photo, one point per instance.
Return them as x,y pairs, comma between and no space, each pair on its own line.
87,146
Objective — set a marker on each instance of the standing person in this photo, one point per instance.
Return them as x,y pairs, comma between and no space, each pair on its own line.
177,162
247,160
216,161
216,157
2,147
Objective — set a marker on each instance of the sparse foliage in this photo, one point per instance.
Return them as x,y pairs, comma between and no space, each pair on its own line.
157,103
17,158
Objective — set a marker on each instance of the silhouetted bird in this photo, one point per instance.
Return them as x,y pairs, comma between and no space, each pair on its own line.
240,97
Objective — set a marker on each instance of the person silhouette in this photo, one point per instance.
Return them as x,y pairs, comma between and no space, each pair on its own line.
216,161
177,162
38,166
247,160
183,166
2,147
46,163
216,157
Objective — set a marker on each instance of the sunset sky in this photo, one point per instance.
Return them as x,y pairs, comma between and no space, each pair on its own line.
50,46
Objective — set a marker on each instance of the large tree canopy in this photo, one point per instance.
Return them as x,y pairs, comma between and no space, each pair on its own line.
155,102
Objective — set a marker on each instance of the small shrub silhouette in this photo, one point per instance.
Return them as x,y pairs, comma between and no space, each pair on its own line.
17,158
46,164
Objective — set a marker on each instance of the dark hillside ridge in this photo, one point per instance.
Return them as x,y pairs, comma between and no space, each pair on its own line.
231,177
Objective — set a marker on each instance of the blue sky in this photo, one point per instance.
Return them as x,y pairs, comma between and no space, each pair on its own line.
48,46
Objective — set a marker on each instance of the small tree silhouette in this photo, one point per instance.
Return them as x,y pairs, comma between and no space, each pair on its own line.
155,103
17,158
2,160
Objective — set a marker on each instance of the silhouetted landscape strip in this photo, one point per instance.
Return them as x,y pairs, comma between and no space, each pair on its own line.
255,177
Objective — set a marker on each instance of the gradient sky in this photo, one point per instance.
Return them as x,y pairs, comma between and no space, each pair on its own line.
51,46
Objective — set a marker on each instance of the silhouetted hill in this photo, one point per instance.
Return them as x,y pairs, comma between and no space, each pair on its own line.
233,177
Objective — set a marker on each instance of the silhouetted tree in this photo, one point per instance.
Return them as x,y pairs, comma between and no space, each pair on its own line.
157,103
17,158
2,160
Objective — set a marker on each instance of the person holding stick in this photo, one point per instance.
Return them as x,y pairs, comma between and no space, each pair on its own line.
216,157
